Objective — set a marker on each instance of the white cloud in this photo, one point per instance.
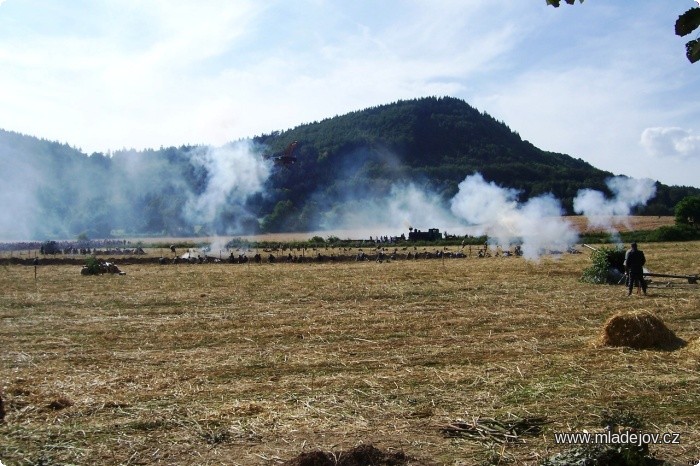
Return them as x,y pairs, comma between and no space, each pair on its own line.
138,82
671,142
596,89
163,73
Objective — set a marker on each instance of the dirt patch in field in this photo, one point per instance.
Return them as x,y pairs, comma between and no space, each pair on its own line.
363,455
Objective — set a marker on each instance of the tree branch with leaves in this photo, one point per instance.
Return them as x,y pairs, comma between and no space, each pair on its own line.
685,24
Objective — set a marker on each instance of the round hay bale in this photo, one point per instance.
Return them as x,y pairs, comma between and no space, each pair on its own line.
639,330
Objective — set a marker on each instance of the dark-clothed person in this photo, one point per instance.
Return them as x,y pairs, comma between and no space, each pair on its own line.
634,267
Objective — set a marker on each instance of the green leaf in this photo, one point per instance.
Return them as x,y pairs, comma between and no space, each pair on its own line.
692,50
556,3
688,22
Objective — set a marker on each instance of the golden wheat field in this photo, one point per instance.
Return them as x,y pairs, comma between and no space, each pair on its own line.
231,364
579,222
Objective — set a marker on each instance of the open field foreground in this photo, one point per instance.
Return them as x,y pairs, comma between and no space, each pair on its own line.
207,364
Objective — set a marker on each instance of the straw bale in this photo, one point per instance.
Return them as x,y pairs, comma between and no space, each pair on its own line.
639,330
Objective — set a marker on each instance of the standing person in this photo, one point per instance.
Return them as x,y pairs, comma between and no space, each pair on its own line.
634,267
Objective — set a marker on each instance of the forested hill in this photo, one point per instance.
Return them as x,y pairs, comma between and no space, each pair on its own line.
435,142
342,164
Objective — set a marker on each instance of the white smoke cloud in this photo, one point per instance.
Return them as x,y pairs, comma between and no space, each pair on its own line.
172,191
484,208
18,198
627,194
234,173
406,205
537,224
482,203
409,205
671,142
20,194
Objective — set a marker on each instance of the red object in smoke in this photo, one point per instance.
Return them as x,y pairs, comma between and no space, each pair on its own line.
287,157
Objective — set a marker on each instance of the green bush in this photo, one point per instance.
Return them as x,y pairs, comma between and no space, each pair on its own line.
93,266
608,266
688,211
677,232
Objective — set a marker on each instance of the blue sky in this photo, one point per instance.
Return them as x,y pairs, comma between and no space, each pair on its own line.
606,81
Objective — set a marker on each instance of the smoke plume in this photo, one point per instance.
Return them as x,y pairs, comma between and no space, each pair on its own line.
484,208
54,191
406,205
628,193
537,225
234,173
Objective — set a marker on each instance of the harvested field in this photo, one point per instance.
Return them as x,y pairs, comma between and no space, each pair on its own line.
621,223
257,364
624,223
580,223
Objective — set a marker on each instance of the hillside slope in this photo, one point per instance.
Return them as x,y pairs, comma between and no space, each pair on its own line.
433,142
421,148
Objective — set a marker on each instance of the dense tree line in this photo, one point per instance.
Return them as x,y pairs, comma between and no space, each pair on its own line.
433,143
